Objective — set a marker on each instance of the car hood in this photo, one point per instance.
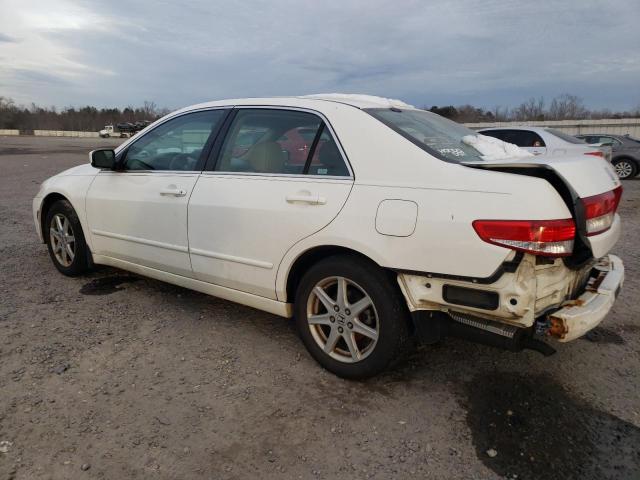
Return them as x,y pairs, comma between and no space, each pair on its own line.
80,170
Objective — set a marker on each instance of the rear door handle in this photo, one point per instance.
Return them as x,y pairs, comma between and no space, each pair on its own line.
173,192
306,198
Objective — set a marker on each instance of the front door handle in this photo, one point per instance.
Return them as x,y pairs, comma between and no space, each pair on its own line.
306,198
173,192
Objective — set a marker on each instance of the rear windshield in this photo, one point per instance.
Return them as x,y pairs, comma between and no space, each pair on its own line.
437,135
564,136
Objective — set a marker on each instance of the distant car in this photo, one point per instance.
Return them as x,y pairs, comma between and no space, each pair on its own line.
401,224
544,141
626,152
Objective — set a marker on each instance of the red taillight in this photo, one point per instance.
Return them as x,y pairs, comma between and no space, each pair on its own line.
599,210
596,153
552,238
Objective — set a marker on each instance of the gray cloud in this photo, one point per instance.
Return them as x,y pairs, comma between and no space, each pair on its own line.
6,38
492,52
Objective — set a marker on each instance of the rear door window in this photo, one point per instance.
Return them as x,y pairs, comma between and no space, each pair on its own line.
327,159
523,138
499,134
278,141
610,140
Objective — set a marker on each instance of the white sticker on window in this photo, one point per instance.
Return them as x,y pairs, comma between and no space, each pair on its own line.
323,171
456,152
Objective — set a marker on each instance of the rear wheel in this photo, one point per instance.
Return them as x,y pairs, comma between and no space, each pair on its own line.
351,317
65,240
625,168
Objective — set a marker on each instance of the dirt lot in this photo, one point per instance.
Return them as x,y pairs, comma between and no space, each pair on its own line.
114,376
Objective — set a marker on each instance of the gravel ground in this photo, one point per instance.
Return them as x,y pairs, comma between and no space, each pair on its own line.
116,376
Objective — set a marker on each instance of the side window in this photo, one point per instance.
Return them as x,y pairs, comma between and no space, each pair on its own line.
275,141
176,144
327,159
610,140
523,138
499,134
536,140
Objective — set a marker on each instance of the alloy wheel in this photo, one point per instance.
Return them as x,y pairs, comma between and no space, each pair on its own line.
623,169
63,242
342,319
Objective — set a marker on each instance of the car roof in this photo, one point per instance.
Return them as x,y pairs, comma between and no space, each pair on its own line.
517,127
309,101
620,137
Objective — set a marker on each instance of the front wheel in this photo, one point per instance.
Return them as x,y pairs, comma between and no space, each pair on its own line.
625,168
351,317
65,240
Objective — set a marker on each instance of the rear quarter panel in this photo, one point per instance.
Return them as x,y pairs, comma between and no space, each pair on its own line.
444,240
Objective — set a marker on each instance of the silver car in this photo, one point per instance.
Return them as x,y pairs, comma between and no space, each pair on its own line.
626,152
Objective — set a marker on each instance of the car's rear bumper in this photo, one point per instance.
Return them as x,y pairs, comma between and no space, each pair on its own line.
579,316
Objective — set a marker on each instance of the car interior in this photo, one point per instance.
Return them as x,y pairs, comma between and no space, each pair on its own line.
267,152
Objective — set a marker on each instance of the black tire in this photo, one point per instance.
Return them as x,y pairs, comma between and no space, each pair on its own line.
79,264
625,168
389,310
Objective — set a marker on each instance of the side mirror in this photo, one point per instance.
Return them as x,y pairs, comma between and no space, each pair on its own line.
103,158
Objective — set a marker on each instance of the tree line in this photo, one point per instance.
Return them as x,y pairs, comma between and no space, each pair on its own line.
562,107
91,119
84,119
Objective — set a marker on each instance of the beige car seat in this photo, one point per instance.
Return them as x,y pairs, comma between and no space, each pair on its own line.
266,157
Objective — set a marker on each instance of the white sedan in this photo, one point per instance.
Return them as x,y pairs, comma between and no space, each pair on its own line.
546,141
382,225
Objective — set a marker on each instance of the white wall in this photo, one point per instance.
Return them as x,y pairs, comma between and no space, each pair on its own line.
622,126
63,133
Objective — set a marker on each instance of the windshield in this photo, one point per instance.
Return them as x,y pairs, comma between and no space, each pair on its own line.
437,135
564,136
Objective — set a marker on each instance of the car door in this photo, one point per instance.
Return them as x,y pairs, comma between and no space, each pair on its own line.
248,208
139,212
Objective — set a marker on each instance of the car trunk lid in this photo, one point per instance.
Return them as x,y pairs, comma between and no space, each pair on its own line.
576,178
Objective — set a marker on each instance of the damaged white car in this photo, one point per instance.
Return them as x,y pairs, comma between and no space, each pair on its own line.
371,222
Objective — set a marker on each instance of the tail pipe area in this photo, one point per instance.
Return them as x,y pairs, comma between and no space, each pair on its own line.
432,326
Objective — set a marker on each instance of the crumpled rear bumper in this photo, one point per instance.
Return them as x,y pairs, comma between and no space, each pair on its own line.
579,316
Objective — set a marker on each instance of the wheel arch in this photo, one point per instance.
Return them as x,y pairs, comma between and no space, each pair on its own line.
624,156
47,201
313,255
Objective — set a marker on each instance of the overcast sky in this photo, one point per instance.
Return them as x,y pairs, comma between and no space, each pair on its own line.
436,52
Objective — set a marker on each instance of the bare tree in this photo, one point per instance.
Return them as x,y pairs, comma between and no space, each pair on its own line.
567,107
532,109
86,118
501,114
150,109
